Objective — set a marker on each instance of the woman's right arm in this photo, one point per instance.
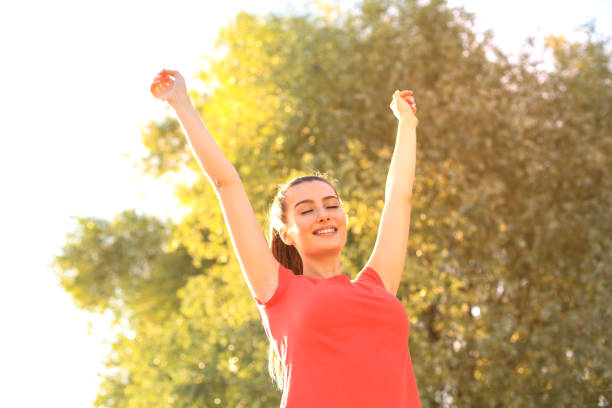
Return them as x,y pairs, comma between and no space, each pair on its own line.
259,267
170,86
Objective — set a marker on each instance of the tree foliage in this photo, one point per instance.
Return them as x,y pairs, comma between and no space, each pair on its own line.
508,274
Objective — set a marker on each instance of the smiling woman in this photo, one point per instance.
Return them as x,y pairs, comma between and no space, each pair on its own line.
346,338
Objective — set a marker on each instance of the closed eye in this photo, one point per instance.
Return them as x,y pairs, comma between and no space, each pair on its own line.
333,206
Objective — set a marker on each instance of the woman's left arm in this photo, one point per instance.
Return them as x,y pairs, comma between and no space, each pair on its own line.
389,254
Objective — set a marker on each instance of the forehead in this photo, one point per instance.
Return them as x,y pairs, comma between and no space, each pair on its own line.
314,190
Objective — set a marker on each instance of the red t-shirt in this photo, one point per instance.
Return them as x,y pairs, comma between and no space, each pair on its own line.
343,342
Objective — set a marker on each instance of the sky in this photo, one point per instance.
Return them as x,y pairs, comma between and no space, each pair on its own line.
74,99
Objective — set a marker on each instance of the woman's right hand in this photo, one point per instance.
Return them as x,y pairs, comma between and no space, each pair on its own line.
169,86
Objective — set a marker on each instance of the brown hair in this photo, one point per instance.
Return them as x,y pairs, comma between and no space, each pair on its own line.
287,255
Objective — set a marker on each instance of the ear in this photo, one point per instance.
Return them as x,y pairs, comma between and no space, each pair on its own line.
285,236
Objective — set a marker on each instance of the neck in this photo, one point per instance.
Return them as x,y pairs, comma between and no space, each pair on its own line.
322,266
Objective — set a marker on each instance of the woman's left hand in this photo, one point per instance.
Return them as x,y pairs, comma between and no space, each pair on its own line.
404,107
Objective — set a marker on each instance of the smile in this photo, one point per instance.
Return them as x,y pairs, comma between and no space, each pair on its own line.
326,232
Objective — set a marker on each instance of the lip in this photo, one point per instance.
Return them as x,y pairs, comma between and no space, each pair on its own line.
323,228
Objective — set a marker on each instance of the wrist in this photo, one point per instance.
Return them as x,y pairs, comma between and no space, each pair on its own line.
180,102
407,122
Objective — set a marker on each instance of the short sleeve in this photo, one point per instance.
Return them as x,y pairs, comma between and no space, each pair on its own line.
370,276
284,280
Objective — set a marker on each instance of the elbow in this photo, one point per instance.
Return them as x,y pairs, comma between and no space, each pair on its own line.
229,179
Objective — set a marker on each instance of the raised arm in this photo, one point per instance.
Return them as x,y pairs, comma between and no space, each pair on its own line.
259,267
389,253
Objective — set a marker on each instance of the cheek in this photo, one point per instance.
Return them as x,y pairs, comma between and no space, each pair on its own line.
302,225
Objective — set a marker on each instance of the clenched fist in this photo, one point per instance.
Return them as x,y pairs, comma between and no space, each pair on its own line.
404,107
169,86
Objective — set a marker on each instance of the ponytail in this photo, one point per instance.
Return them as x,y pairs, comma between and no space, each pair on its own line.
287,255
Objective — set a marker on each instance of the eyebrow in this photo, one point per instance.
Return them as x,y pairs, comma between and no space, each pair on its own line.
312,201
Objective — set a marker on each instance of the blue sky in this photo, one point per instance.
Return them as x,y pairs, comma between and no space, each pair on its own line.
75,96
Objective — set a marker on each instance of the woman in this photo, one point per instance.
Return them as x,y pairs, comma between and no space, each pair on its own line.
334,342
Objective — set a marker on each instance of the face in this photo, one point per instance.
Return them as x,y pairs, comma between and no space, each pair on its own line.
312,205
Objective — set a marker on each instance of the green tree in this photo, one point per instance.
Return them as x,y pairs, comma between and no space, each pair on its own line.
508,272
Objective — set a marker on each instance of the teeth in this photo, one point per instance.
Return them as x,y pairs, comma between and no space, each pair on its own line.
324,231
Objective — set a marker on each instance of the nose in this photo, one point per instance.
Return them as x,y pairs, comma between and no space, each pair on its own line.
323,215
